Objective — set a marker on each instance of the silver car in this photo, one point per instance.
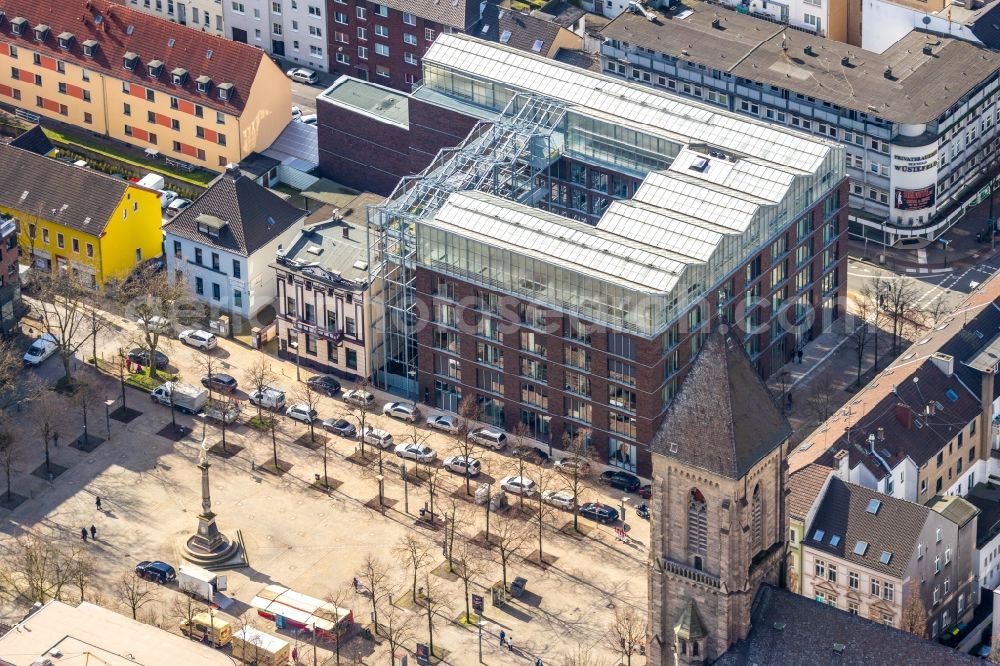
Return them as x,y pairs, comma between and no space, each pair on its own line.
462,465
407,411
198,339
359,398
559,498
444,422
419,452
519,485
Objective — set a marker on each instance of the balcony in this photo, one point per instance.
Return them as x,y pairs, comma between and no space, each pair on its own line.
690,573
335,336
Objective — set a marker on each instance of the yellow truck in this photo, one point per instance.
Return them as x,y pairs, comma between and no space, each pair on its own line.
255,647
208,628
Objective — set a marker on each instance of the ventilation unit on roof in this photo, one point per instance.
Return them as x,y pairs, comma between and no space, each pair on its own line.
700,165
505,36
130,61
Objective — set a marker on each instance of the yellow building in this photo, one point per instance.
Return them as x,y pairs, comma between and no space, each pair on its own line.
76,219
104,67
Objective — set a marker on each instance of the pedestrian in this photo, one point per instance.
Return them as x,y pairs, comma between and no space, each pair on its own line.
800,356
510,644
138,368
97,501
503,638
357,584
128,365
55,439
93,533
538,661
295,655
83,533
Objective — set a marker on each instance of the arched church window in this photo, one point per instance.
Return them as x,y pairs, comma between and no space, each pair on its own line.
697,527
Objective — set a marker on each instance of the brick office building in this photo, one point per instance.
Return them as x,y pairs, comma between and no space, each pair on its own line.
635,231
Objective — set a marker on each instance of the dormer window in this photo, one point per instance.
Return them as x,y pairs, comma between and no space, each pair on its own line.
226,91
179,76
17,25
209,224
155,67
41,32
131,61
204,84
90,48
66,40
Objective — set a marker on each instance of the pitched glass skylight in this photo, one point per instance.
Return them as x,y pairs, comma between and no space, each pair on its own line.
860,548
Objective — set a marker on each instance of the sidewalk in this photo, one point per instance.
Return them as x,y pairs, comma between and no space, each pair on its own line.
814,354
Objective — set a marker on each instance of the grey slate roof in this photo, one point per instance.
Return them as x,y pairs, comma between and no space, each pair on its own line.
895,528
34,140
965,345
524,30
723,419
254,215
789,629
83,199
563,13
923,86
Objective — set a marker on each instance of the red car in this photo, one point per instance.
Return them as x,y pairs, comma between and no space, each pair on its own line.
646,491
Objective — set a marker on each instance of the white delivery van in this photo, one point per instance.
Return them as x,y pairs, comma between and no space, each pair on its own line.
199,582
184,397
41,349
152,181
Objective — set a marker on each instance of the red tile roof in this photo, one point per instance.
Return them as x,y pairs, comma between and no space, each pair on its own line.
119,29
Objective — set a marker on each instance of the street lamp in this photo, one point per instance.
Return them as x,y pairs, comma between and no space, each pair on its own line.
406,488
295,345
624,499
381,480
481,625
107,414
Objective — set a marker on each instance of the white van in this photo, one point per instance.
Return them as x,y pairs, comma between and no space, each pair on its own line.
41,349
269,398
491,437
377,437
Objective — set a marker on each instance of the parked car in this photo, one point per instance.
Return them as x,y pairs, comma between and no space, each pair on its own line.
302,75
177,205
199,339
302,412
42,348
270,397
419,452
377,437
601,513
559,498
309,119
141,356
406,411
519,485
166,197
156,571
221,382
359,398
489,436
462,465
324,384
646,491
156,323
341,427
572,465
444,422
621,480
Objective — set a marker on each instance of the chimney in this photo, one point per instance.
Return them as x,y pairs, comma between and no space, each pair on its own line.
233,170
881,434
717,24
944,362
871,443
930,409
843,465
347,232
904,415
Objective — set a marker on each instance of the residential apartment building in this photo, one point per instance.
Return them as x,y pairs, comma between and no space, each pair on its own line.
918,121
822,18
599,338
867,553
986,498
323,303
11,305
204,15
113,70
225,241
75,219
295,30
806,487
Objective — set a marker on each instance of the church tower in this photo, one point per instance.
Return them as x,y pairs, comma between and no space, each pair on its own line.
718,519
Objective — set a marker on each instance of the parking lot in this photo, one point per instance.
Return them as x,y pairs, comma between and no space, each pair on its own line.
315,540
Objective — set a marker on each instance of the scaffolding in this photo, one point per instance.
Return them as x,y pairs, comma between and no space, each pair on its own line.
508,156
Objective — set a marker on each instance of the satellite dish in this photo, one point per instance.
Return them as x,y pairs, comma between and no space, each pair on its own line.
926,20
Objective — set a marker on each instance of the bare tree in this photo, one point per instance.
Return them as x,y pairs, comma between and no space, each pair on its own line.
544,509
433,601
576,474
471,562
872,296
47,412
417,555
306,395
521,461
397,628
134,592
65,314
511,538
486,467
10,453
35,568
627,632
360,410
433,485
82,569
340,598
153,295
860,335
184,608
374,574
16,388
458,517
258,377
584,656
902,308
914,616
822,398
469,413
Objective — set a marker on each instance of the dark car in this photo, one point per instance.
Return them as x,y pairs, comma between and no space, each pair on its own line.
324,384
156,571
141,356
341,427
601,513
646,491
622,481
219,382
